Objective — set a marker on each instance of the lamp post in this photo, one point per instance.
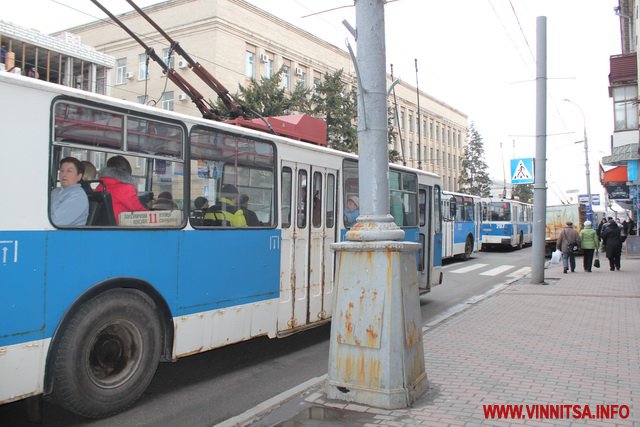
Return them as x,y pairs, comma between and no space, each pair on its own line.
586,159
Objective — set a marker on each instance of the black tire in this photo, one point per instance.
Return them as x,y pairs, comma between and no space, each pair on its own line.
521,241
468,247
108,354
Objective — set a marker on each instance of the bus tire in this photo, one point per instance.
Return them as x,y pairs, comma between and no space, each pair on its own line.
468,247
521,241
107,354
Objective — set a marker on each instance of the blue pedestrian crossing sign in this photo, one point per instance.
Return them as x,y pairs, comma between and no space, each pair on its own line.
522,171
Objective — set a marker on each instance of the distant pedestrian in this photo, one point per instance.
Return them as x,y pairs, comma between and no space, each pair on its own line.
603,223
612,244
567,238
588,243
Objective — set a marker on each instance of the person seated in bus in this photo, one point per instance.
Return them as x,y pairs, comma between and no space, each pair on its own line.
225,212
351,211
164,202
90,173
118,182
250,216
69,203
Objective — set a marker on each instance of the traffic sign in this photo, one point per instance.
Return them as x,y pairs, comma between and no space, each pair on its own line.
583,199
522,171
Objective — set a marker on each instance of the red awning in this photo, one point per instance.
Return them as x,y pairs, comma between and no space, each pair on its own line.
617,174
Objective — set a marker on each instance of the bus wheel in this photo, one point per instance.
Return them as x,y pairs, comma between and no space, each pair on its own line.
521,241
107,354
468,247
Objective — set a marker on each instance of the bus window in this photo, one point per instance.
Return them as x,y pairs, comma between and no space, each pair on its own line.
316,208
153,137
422,207
331,201
301,208
83,132
285,209
75,123
220,158
349,186
437,209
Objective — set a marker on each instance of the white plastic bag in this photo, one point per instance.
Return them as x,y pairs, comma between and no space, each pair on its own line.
556,257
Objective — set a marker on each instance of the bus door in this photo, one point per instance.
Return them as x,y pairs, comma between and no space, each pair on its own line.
437,226
306,265
477,219
425,208
322,234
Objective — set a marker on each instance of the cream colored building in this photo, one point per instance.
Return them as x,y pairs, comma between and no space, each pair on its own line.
236,41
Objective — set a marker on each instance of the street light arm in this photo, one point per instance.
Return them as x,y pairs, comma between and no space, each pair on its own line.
586,158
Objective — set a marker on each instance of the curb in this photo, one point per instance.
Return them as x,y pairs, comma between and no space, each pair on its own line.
249,416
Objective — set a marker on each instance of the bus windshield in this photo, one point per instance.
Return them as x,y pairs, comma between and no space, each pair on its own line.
499,211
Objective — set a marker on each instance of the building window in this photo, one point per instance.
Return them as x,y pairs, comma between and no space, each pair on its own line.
317,79
142,99
302,76
168,59
431,131
143,72
402,120
625,107
167,101
121,71
411,127
249,64
286,76
267,59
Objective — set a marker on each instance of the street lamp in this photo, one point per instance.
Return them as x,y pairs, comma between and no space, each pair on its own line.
586,159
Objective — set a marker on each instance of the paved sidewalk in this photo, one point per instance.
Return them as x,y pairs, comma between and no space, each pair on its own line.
575,342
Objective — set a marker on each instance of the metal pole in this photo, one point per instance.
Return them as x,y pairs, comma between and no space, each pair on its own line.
586,159
418,118
540,182
373,152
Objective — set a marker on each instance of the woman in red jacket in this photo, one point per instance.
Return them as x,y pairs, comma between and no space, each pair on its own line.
118,182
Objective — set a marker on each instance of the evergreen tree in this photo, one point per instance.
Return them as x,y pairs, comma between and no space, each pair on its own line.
474,178
394,155
336,103
524,192
267,97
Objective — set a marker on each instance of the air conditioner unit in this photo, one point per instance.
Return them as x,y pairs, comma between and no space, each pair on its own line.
264,57
182,97
182,64
129,75
298,71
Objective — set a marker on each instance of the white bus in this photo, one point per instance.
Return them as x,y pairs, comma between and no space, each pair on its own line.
87,312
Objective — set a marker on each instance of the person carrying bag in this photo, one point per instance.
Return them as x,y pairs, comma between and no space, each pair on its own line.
568,242
588,243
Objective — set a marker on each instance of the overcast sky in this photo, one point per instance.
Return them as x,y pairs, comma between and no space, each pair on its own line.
476,55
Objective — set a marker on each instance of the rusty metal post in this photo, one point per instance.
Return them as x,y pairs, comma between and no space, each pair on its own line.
376,354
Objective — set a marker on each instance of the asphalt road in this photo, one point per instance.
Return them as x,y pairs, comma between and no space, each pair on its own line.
205,389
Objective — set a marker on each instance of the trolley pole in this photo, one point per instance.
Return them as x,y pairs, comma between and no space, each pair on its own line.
540,181
376,354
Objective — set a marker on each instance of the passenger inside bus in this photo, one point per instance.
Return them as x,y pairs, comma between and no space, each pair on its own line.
69,203
250,216
351,211
118,182
164,202
90,174
225,212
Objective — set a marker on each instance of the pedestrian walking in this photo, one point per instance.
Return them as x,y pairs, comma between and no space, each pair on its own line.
588,243
601,226
567,241
612,244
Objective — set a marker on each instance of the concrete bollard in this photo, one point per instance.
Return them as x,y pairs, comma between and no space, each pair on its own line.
376,354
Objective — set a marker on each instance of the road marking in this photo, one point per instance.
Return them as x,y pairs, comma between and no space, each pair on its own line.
521,272
497,270
469,268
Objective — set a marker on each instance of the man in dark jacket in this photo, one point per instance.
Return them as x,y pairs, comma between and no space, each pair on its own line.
567,238
612,244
